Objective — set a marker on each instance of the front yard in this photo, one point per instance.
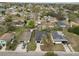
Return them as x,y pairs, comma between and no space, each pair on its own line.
73,39
12,46
48,45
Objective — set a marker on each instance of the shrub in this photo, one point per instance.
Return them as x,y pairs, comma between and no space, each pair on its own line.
74,30
11,46
50,54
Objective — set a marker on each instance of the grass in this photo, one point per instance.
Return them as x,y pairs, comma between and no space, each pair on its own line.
1,33
31,46
19,31
50,54
73,39
48,45
74,30
58,47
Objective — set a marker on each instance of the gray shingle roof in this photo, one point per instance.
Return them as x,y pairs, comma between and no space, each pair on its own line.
39,34
57,37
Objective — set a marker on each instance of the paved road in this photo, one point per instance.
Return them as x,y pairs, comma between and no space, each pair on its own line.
22,53
67,54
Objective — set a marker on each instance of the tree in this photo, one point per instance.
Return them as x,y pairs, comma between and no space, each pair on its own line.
31,24
9,25
8,18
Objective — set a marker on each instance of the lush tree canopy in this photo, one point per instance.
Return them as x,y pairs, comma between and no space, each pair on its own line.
31,24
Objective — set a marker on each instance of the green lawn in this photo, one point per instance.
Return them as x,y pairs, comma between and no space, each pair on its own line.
50,53
74,29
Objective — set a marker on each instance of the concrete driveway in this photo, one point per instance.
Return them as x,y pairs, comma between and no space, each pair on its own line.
20,48
3,49
38,47
66,48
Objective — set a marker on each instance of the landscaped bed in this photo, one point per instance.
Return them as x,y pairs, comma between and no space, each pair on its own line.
50,53
56,47
31,46
73,39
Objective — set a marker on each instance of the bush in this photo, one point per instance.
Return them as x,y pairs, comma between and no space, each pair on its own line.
11,46
31,46
74,30
50,54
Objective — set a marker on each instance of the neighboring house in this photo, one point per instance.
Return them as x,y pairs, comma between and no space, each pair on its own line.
2,10
62,24
2,20
39,35
58,38
12,11
25,37
18,23
6,38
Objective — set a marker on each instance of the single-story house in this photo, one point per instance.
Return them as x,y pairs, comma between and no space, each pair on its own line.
58,38
39,35
18,23
2,20
2,10
62,24
6,38
25,37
